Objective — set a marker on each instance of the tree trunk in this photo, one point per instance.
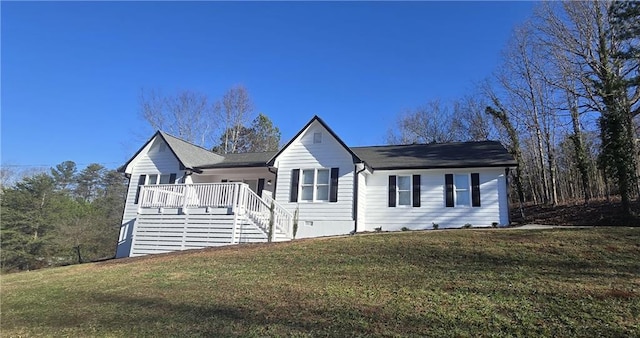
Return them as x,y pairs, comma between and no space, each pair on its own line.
77,248
515,151
581,156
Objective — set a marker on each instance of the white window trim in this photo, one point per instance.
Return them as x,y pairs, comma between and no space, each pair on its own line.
398,205
468,191
314,186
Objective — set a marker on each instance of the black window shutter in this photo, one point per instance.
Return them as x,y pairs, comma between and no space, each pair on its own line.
448,183
475,189
140,182
260,186
392,191
416,191
333,189
295,180
172,179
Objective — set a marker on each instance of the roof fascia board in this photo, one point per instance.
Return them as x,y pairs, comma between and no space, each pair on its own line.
491,166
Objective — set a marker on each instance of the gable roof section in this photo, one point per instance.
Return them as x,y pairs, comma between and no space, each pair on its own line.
355,157
437,155
189,155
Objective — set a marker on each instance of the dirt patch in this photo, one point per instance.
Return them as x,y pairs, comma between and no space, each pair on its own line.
600,212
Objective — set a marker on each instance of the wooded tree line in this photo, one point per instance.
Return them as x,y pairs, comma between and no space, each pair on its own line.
565,102
61,217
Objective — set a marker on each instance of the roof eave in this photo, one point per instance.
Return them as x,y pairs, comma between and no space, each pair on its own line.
241,165
500,165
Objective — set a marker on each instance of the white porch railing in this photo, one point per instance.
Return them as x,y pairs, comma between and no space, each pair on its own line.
237,196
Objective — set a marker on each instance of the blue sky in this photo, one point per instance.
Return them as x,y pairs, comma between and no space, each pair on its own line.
71,72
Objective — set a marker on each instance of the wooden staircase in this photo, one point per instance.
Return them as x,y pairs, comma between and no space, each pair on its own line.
177,225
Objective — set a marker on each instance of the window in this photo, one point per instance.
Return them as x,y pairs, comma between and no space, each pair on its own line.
162,147
317,137
404,190
153,179
462,190
315,185
162,179
461,183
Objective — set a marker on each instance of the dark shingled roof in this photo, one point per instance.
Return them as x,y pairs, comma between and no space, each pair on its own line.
242,160
413,156
190,155
436,155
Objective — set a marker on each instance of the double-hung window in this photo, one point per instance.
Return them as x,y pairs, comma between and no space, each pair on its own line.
461,183
462,190
315,185
404,190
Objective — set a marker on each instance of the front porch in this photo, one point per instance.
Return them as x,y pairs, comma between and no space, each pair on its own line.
188,216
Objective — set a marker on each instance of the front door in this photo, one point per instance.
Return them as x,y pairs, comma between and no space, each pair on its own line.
252,183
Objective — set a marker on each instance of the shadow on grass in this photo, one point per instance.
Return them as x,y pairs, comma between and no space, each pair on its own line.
152,316
527,256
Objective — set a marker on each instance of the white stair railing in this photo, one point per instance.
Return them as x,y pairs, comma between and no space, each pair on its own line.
259,211
237,196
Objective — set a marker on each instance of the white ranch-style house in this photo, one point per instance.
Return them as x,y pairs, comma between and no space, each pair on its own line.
182,196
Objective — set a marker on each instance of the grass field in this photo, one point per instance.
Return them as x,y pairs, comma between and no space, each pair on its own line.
559,282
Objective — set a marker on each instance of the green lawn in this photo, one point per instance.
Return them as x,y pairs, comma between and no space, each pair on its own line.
436,283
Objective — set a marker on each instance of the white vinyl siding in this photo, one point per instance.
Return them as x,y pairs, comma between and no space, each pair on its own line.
362,201
150,161
331,218
432,201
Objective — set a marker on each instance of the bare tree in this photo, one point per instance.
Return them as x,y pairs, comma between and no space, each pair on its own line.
598,40
431,123
186,114
504,117
235,110
470,122
530,99
8,176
